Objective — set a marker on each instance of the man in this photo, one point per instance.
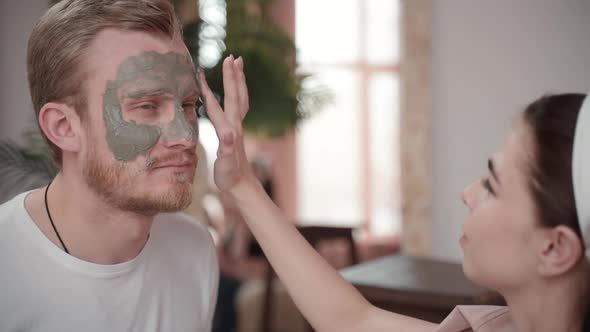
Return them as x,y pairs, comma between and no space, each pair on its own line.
115,94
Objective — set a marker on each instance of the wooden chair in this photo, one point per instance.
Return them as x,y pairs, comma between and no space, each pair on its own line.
314,235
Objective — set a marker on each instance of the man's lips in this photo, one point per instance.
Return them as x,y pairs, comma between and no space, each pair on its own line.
178,165
181,162
182,166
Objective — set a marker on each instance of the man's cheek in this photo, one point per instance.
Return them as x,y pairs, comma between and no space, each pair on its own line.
126,140
180,128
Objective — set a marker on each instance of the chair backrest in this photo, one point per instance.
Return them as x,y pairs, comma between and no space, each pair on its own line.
314,235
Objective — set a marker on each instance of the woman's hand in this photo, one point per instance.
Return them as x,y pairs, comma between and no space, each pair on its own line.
231,167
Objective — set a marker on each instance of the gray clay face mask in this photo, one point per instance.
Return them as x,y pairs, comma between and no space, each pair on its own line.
138,104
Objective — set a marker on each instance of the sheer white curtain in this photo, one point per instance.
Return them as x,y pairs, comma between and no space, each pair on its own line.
348,154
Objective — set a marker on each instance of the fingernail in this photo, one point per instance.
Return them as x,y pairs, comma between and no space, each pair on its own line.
231,56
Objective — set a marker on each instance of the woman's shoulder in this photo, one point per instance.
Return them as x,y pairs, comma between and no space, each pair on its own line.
478,318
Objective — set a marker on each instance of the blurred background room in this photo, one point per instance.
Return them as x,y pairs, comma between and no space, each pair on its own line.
368,117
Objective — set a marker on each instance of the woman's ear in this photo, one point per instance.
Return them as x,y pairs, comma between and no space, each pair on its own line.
61,124
560,251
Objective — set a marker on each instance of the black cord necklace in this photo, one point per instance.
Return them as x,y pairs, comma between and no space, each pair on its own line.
51,220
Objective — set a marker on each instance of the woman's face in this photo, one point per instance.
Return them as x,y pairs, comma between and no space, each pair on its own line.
501,231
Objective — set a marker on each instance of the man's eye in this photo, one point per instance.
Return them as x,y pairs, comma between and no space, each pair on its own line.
147,107
200,109
191,108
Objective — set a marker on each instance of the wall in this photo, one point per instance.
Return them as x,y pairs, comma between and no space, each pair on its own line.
490,58
17,18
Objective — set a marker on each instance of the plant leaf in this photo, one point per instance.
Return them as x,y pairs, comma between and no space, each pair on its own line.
21,170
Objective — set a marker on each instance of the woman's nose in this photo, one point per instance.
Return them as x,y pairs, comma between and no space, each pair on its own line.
467,195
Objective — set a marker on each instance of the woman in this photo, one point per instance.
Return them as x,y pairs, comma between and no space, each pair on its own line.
521,238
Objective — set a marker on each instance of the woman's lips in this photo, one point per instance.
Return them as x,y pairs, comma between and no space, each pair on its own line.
463,240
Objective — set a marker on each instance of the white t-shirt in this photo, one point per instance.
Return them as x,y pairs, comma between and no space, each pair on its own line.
170,286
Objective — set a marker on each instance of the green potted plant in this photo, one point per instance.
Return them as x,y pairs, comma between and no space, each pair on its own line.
25,167
279,97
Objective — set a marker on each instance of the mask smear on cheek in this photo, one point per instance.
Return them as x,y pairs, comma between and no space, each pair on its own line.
148,73
126,139
179,128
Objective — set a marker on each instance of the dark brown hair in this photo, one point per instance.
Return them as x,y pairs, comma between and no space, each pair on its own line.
552,120
63,34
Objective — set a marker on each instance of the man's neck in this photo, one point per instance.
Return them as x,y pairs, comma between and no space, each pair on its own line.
91,230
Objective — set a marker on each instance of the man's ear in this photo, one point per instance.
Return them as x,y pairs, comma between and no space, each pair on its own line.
561,249
61,124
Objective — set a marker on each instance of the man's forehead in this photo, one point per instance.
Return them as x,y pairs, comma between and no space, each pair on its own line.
139,89
121,43
112,48
151,73
156,65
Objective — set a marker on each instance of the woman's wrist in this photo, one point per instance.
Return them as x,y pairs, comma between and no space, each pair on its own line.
245,188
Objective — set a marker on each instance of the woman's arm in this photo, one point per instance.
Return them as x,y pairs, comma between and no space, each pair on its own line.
327,301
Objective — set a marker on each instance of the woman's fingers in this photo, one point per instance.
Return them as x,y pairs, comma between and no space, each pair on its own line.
231,164
224,130
243,98
212,107
230,88
228,122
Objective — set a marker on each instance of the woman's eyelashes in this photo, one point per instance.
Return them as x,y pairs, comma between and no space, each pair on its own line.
485,182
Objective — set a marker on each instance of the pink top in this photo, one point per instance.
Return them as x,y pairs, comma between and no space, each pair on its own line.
478,318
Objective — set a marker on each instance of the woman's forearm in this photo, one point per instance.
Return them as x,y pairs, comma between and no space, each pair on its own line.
328,301
321,294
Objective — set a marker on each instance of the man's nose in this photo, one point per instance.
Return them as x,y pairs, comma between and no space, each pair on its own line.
180,131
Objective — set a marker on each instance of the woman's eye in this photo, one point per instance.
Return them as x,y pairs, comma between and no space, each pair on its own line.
486,184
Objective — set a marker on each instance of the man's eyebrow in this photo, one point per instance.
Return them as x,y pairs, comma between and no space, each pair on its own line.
140,93
192,94
492,169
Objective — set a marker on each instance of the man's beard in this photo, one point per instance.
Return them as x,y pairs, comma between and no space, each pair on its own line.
116,184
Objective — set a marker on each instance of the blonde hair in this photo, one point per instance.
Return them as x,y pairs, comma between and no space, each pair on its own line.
63,34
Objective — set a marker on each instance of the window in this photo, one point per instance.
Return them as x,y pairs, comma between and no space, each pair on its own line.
348,154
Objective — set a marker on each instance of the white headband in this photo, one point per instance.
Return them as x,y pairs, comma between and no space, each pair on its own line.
581,171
